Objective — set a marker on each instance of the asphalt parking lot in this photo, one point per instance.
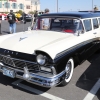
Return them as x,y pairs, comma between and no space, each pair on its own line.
20,27
84,85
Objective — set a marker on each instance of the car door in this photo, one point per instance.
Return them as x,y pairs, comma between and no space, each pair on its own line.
88,40
96,27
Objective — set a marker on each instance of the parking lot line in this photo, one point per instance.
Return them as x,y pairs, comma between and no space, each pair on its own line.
46,95
93,91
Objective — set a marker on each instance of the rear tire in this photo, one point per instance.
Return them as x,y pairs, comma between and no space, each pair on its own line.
69,72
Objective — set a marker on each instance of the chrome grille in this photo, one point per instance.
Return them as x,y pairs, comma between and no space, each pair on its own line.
18,63
8,60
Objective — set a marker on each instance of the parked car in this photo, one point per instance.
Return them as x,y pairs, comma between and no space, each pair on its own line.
46,55
27,17
18,16
3,16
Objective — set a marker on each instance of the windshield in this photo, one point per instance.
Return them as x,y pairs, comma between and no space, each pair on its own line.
69,25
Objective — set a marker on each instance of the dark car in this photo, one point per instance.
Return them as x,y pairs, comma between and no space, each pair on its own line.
27,17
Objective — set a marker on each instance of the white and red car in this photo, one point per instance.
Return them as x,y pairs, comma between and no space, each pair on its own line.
46,55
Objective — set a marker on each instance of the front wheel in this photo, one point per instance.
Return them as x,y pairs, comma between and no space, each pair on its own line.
69,72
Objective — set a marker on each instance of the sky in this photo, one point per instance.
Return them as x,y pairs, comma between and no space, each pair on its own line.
68,5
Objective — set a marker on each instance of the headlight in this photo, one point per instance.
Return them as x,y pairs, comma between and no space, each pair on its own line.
41,59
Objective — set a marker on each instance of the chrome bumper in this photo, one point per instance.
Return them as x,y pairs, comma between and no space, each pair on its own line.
37,79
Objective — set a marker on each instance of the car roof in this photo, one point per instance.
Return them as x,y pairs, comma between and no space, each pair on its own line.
74,14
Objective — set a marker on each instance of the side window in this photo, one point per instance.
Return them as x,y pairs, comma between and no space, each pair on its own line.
99,20
95,23
81,26
87,25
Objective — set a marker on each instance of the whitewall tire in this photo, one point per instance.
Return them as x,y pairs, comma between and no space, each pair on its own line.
69,72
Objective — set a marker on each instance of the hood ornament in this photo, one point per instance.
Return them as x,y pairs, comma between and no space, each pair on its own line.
26,73
22,38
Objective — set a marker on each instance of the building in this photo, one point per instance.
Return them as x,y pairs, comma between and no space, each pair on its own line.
16,5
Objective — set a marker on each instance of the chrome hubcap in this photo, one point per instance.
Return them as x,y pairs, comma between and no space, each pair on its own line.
68,70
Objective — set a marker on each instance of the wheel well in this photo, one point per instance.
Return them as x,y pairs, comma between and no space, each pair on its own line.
61,65
76,60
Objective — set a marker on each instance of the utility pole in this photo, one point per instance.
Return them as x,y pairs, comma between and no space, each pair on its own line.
92,6
57,6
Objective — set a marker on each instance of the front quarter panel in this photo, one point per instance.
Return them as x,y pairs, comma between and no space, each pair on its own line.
81,46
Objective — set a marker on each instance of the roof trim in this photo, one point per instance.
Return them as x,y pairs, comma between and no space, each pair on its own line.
81,15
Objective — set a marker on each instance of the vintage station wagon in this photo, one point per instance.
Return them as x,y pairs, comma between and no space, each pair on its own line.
47,54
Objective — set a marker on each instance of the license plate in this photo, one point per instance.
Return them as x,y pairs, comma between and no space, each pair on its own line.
8,72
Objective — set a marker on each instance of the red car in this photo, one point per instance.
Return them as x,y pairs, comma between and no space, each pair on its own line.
1,16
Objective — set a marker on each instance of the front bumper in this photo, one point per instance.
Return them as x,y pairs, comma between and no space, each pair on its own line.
37,79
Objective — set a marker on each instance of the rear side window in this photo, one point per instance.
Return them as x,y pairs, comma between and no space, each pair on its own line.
99,20
87,25
95,23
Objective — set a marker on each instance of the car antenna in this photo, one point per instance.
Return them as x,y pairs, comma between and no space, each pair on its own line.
23,19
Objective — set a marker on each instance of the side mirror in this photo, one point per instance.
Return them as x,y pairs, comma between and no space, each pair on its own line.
77,33
80,32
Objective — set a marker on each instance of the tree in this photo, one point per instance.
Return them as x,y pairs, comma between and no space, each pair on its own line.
31,12
20,11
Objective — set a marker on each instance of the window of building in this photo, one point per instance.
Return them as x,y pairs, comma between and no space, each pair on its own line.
21,6
27,6
95,23
14,5
7,5
87,24
0,4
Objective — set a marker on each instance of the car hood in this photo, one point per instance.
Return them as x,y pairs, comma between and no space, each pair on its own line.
29,41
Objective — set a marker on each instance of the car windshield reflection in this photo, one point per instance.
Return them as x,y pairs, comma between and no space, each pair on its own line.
69,25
